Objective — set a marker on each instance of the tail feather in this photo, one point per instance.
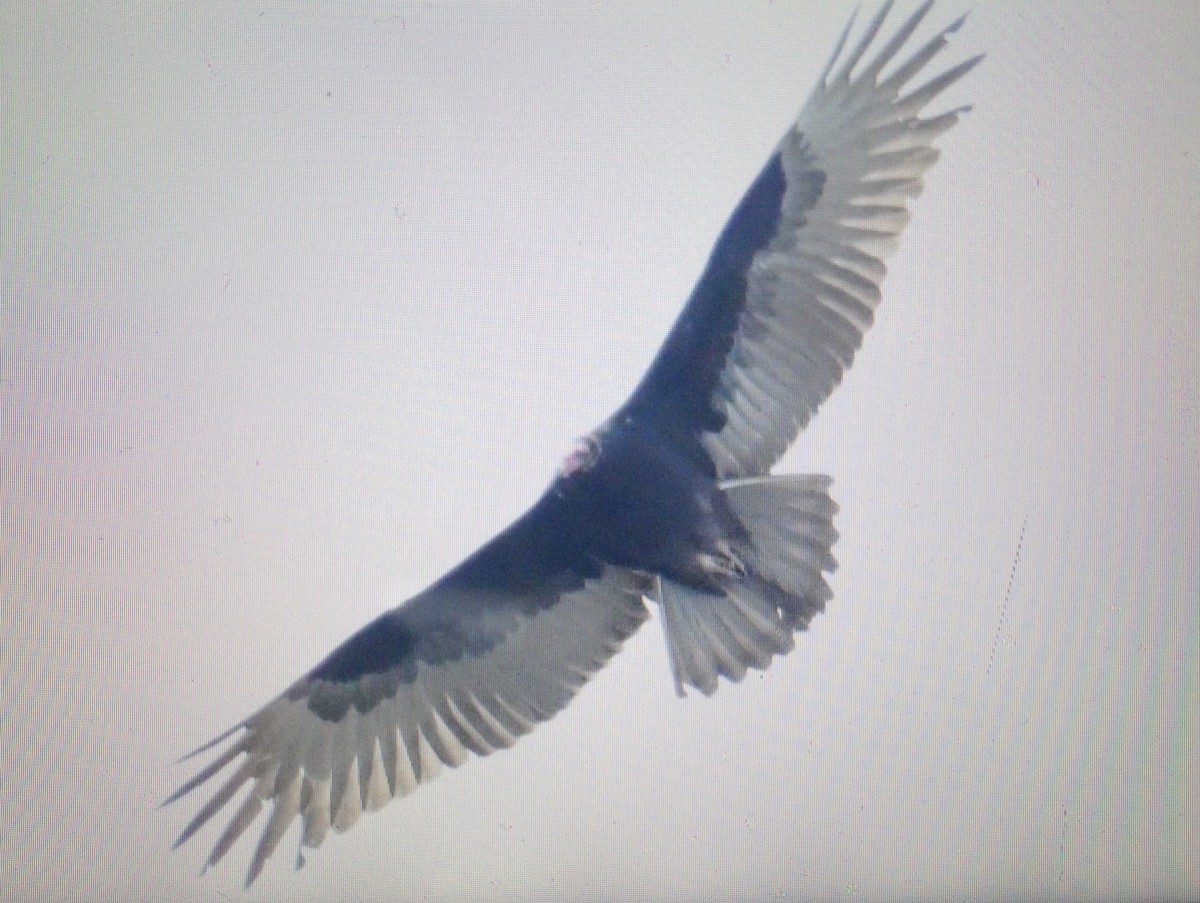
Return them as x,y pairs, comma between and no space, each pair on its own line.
720,634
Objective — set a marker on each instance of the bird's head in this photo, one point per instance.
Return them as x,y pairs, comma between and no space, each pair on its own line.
581,458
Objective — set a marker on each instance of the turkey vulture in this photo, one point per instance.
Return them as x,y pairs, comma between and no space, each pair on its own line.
670,500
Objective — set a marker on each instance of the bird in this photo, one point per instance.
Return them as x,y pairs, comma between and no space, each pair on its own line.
671,501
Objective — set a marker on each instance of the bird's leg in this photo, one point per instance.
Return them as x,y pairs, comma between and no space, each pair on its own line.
721,564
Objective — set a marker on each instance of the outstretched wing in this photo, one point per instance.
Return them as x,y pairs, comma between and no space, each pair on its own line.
793,281
501,643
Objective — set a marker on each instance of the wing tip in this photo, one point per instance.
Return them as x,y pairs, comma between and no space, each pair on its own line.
837,49
972,62
256,867
956,24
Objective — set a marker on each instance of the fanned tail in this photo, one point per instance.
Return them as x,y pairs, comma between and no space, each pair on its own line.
710,634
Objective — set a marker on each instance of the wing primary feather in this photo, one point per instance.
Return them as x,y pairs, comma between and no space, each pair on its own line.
287,805
864,42
920,57
244,817
217,802
215,741
913,103
207,772
837,50
884,56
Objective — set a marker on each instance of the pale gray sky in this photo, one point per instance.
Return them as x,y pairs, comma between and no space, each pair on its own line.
301,303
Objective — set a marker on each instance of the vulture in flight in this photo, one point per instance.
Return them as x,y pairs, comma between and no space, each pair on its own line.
670,500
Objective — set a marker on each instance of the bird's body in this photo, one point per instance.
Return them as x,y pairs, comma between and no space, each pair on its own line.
640,503
670,500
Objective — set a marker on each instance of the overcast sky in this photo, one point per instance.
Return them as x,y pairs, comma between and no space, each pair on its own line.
301,303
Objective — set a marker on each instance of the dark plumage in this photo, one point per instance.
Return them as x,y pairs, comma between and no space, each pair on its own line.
670,500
